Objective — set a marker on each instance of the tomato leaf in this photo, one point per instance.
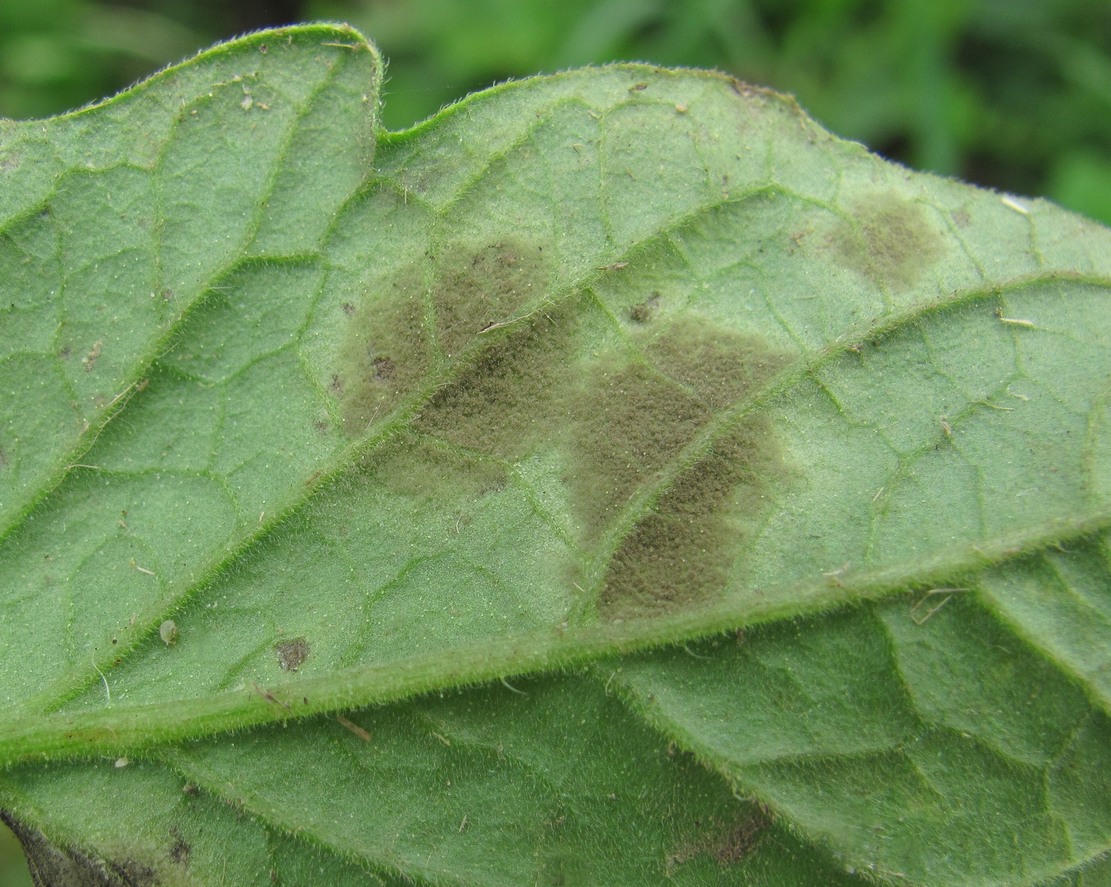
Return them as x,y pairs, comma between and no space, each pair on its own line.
771,479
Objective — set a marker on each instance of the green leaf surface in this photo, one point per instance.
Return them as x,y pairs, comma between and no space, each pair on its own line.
789,466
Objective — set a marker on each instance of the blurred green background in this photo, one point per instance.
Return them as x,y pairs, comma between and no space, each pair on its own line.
1013,94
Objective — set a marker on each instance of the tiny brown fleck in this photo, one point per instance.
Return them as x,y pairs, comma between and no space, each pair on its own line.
292,653
383,368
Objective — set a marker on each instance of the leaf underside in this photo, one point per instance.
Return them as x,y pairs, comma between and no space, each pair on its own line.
772,479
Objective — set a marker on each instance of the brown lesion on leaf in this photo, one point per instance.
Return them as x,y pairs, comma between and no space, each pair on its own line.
888,239
384,354
180,849
721,366
90,359
619,418
634,423
292,653
476,291
728,843
645,310
509,397
437,308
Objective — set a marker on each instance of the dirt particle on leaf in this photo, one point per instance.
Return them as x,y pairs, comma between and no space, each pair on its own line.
90,359
292,653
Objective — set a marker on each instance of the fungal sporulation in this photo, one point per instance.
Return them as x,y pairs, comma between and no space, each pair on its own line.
721,366
889,240
629,422
529,369
725,843
678,555
475,291
292,653
384,353
419,467
633,423
510,395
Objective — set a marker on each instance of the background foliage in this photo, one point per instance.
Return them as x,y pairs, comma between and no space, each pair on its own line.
1013,94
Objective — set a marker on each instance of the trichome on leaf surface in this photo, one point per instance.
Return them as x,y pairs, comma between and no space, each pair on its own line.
615,479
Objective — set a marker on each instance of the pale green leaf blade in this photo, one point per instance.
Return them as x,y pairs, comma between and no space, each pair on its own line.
117,219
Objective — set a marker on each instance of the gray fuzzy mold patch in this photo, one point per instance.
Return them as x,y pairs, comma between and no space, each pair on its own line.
635,423
531,373
385,353
889,240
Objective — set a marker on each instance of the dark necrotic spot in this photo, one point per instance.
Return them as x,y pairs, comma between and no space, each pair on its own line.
180,850
643,312
292,653
727,843
384,368
738,843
